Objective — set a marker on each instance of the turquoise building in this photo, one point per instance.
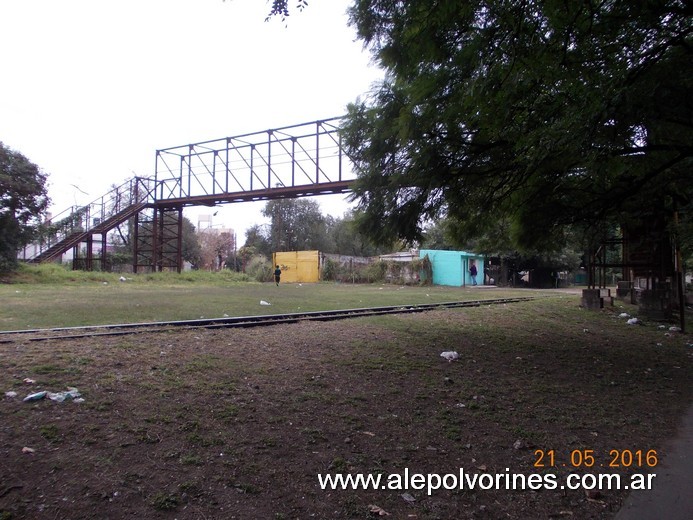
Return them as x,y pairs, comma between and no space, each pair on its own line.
452,267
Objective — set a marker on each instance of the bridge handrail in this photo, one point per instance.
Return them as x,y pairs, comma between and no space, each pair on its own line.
77,219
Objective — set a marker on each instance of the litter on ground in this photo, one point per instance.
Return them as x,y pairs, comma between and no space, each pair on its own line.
71,394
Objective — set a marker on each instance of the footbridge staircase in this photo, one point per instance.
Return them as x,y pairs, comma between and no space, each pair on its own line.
293,161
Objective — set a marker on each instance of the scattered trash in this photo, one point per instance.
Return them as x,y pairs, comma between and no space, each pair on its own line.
35,397
675,329
28,450
105,283
461,405
123,279
408,498
377,510
624,315
263,302
662,327
69,395
29,381
10,394
450,355
633,321
59,397
519,444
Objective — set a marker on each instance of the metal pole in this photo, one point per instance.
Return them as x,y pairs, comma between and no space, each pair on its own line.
317,152
269,159
135,247
293,161
227,165
252,168
179,245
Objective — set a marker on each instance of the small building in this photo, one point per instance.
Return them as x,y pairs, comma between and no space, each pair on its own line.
298,266
400,268
452,267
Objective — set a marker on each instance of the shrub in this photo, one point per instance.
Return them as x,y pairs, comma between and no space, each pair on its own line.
330,270
259,269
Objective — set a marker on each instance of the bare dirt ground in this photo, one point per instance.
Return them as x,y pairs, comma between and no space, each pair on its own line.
223,424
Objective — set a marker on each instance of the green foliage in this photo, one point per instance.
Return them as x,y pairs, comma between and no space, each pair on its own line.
23,200
259,269
375,272
426,270
348,240
53,273
438,236
165,501
190,250
297,225
546,115
280,8
256,243
330,269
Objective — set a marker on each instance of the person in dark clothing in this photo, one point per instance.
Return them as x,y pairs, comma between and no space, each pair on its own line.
472,273
277,275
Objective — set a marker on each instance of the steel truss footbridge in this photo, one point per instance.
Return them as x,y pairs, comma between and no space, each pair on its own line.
293,161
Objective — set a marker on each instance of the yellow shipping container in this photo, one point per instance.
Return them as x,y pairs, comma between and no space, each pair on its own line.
298,266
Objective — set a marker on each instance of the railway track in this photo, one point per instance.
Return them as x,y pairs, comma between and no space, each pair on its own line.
122,329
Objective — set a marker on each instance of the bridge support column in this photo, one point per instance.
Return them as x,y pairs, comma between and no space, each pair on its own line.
158,240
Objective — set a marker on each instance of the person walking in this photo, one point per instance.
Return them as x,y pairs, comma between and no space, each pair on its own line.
277,275
473,273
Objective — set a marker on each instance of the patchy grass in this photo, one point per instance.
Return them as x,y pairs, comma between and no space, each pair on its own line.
239,423
100,298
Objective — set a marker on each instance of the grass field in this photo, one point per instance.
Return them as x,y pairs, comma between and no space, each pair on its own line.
55,298
238,423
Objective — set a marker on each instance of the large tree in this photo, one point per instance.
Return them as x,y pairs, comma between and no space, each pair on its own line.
547,114
216,248
297,225
348,240
23,201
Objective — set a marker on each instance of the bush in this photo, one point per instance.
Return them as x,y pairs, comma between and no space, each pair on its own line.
53,273
330,270
375,272
259,269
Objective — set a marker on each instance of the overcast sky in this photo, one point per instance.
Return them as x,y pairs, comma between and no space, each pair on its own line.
91,89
